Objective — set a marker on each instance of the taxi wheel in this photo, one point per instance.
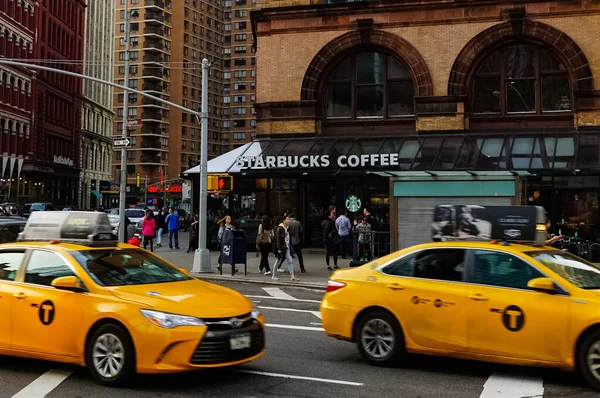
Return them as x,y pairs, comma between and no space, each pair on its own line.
379,338
110,356
588,359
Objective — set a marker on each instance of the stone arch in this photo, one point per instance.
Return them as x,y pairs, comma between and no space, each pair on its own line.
340,47
561,45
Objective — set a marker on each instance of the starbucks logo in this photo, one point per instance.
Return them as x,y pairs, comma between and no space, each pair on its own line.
353,203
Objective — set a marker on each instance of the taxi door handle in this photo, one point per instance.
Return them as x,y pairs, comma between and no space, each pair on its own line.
395,286
20,296
478,297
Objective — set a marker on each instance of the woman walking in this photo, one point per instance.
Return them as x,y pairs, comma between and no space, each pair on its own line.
148,229
264,244
161,226
282,237
331,240
194,229
225,225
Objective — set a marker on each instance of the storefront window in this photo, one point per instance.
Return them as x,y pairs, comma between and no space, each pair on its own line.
521,79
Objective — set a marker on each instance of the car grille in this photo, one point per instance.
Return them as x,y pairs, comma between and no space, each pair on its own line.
215,347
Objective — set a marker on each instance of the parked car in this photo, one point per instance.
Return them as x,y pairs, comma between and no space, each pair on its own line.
10,228
38,206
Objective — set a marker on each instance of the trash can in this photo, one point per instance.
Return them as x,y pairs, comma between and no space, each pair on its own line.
233,250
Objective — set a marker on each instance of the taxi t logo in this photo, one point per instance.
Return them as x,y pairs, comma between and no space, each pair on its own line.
46,312
513,318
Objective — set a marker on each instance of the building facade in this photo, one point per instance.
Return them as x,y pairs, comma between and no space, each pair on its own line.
54,154
17,32
97,117
165,61
396,107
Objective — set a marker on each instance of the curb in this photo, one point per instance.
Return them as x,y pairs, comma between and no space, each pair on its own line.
217,277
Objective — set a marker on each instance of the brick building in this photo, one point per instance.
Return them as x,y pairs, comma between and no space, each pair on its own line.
54,155
400,106
17,30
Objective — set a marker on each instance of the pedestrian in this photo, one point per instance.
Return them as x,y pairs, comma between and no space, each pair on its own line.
282,238
225,224
194,229
364,238
295,231
159,220
343,227
333,210
264,241
331,240
172,222
149,229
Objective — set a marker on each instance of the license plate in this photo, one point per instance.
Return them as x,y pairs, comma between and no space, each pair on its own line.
240,341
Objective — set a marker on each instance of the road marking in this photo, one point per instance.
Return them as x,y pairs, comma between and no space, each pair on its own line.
315,313
44,384
275,325
255,372
507,386
284,299
277,292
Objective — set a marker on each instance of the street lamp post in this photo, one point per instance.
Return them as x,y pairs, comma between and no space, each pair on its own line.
202,255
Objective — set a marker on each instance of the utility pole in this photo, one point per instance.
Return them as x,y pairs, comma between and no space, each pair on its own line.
123,182
202,255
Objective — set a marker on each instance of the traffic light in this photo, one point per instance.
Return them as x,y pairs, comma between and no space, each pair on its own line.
138,179
219,183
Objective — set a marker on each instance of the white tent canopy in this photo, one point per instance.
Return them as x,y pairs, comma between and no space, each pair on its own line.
221,164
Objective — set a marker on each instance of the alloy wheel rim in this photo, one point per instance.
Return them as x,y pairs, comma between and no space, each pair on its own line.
593,360
108,355
377,338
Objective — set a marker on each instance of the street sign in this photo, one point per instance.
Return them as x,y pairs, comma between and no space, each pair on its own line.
121,142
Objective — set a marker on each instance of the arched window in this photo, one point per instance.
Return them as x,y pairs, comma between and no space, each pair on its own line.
520,79
369,85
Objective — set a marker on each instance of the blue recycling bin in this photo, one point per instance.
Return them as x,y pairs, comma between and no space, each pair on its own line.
234,250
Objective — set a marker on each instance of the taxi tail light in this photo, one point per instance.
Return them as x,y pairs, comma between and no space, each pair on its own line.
332,286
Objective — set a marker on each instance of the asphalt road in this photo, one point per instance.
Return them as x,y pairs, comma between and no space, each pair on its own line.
301,361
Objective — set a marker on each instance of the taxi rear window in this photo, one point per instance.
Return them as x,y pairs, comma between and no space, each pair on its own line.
126,267
579,272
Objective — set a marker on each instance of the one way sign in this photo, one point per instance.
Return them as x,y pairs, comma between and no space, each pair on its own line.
121,142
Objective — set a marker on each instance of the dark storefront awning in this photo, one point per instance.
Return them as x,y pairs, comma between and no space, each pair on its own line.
489,154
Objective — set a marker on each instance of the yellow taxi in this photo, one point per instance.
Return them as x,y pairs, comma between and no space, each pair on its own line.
69,292
504,302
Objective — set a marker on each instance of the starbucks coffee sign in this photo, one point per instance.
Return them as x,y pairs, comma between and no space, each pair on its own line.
318,161
353,203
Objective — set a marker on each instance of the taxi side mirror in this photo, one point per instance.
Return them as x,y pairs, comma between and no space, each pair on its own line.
70,283
184,271
542,285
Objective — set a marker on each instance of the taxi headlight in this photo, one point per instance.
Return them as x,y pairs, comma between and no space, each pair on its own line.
255,312
170,321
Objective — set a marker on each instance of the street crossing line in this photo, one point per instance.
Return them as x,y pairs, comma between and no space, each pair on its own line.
283,299
255,372
314,329
315,313
278,293
44,384
506,386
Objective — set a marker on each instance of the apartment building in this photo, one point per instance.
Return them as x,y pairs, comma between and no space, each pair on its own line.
167,46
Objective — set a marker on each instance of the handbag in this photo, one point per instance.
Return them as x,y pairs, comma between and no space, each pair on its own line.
335,237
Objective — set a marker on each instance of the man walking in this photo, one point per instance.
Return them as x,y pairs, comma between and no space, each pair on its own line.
295,231
343,226
172,222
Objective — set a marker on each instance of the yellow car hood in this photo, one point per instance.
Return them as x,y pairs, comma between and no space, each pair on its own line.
193,297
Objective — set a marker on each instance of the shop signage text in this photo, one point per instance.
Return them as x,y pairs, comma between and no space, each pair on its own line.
170,189
317,161
63,161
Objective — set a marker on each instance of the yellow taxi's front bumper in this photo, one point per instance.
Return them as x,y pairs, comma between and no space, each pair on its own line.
338,319
186,348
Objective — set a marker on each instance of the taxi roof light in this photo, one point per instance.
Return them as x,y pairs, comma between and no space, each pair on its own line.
79,227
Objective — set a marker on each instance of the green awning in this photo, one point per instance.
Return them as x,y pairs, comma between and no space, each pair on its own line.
97,194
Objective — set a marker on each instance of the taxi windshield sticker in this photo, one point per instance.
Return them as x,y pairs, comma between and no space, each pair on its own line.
46,312
513,318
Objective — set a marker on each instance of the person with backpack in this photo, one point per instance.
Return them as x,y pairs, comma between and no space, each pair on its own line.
264,243
331,240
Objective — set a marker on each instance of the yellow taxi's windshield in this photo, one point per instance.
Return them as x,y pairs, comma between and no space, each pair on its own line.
574,269
126,267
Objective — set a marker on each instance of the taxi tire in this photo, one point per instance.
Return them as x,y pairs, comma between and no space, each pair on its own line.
581,360
128,369
399,349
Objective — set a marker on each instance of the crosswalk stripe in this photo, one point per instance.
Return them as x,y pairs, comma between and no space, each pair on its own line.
44,384
508,386
277,292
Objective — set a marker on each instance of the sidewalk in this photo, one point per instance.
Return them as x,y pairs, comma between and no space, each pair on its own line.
316,275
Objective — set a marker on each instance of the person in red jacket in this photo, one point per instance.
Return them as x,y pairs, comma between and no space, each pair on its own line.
148,228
